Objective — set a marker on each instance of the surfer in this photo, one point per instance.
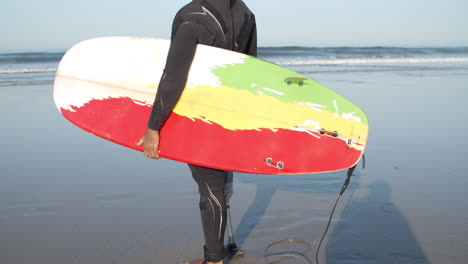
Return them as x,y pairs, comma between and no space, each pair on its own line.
227,24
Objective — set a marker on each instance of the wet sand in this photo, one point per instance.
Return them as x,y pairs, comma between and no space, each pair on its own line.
67,196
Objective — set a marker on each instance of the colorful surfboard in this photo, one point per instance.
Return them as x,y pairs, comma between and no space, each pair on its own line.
237,112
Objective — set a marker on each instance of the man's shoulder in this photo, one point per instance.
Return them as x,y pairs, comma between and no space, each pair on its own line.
193,6
245,8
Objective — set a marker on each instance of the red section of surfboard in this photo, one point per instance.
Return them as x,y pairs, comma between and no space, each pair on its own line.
123,121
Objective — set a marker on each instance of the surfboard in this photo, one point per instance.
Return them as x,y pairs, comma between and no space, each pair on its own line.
237,112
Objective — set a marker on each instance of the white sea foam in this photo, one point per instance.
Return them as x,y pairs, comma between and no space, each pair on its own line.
364,61
27,70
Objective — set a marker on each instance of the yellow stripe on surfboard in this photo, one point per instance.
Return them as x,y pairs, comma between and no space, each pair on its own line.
211,104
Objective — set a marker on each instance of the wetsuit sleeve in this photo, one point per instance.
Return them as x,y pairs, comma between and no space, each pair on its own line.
173,80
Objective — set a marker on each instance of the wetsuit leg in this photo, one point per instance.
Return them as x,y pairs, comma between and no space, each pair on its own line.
212,188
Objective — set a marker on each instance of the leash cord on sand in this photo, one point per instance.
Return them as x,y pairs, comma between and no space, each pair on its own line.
288,255
326,229
301,255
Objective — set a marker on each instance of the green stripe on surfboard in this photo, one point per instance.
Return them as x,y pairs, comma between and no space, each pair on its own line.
274,83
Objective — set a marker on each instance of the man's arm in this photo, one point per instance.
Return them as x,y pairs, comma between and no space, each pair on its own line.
171,85
174,78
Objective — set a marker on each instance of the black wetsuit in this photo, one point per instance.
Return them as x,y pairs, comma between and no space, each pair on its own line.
226,24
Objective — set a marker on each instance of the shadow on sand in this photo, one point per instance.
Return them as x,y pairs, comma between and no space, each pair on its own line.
370,229
373,230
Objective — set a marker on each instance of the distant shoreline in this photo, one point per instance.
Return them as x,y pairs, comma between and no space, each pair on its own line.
266,47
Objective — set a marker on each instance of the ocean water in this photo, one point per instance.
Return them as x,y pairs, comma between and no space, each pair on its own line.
26,68
309,60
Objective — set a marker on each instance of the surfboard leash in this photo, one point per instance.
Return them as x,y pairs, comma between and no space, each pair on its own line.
301,255
289,255
343,189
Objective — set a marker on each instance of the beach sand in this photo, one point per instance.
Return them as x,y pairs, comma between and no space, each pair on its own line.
67,196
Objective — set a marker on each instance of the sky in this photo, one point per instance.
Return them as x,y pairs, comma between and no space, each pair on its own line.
59,24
